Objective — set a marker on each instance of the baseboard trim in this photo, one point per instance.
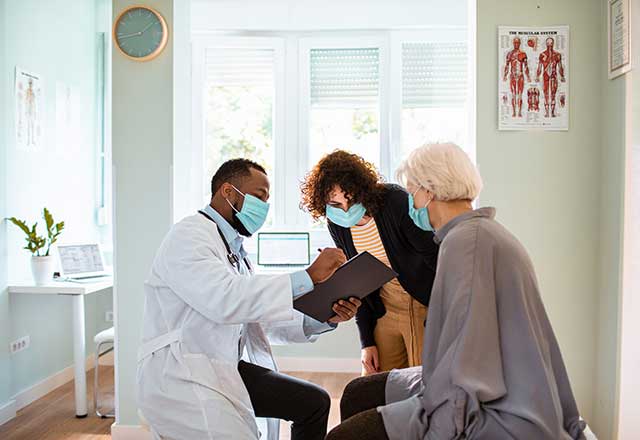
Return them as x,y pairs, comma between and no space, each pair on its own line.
129,432
319,365
45,386
7,412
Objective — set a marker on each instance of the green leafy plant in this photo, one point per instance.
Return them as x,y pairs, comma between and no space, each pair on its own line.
36,243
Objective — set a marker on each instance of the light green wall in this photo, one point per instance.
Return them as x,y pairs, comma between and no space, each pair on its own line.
612,158
55,39
142,158
546,185
5,367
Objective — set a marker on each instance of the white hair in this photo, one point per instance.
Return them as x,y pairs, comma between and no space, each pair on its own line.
443,169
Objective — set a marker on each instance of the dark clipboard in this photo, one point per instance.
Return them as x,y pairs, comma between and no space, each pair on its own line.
358,277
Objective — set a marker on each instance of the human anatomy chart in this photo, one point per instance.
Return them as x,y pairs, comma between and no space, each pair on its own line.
533,78
29,110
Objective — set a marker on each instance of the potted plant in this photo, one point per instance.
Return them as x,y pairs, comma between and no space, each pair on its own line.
41,262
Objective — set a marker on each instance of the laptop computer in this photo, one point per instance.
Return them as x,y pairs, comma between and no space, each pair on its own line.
82,262
283,249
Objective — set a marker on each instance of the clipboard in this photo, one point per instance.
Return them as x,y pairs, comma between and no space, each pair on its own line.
358,277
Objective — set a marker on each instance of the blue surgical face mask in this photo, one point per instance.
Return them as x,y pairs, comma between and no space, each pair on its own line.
346,219
420,216
253,213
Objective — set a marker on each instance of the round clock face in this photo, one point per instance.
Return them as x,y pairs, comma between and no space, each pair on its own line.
140,33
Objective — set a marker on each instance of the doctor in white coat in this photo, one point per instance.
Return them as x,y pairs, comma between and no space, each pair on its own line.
205,368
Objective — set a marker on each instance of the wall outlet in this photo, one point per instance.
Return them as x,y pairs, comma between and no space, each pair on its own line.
108,316
20,344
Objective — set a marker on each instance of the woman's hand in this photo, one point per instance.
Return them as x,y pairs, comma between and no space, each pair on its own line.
370,360
345,310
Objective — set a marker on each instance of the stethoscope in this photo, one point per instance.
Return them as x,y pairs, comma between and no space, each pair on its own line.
232,257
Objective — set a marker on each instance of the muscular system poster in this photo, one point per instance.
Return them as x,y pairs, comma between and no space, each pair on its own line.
533,78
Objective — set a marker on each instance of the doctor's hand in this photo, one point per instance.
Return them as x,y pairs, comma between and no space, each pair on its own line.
326,264
345,310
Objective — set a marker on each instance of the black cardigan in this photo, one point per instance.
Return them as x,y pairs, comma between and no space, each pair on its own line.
411,251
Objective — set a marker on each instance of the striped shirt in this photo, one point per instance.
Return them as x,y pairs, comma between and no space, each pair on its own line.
367,238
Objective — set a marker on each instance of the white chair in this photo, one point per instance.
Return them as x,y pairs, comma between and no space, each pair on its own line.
104,337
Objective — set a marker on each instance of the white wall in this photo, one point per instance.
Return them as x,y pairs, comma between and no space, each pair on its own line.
310,15
612,175
629,385
5,366
142,160
61,48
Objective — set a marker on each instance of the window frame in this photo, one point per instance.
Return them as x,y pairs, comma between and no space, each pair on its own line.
292,138
397,39
198,123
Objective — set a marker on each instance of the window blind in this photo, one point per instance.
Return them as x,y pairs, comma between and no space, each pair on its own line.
240,67
434,74
344,77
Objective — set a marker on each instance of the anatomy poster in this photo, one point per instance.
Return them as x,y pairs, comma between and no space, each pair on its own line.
533,78
29,110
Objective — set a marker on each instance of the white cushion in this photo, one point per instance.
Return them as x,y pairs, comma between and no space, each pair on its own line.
105,336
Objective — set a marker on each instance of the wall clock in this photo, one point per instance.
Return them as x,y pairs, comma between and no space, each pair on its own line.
140,33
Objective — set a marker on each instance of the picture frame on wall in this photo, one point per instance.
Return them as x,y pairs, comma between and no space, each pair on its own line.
533,78
619,37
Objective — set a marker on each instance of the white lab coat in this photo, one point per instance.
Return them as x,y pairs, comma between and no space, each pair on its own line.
200,315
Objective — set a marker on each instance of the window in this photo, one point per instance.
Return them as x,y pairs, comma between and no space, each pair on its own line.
344,94
238,104
434,93
103,136
285,99
240,97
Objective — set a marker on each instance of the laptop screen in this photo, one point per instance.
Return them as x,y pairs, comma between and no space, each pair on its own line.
283,248
80,259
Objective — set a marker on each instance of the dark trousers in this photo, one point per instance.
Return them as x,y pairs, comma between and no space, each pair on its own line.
360,418
278,396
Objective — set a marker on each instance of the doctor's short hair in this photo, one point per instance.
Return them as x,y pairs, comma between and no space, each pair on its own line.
233,171
443,169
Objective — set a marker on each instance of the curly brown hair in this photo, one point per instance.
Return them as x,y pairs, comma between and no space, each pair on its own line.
358,178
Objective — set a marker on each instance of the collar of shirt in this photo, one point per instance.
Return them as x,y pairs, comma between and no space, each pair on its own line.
229,233
443,231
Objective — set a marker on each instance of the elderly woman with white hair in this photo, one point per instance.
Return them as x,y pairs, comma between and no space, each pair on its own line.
493,368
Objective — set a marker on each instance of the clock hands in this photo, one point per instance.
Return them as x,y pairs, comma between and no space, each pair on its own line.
148,26
139,33
135,34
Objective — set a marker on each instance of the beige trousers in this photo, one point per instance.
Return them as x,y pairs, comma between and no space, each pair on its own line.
400,332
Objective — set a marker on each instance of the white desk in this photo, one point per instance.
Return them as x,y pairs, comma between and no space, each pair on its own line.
77,292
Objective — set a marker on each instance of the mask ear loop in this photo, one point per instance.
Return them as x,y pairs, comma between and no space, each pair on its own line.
416,192
239,192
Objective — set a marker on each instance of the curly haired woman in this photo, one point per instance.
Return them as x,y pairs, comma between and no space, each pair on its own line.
365,214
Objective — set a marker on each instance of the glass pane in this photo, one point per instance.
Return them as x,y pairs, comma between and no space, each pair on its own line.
426,125
355,130
434,85
239,123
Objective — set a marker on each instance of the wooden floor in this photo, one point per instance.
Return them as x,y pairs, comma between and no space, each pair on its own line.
334,383
53,416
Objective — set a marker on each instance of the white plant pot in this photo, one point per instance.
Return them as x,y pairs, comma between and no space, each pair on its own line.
42,269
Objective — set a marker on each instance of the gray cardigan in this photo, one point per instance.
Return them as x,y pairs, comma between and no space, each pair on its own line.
492,368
